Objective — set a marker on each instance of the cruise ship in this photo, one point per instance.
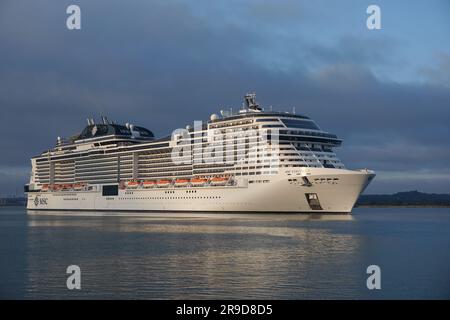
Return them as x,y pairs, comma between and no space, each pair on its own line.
252,160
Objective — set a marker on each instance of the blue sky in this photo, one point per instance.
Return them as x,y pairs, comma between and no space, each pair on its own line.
163,64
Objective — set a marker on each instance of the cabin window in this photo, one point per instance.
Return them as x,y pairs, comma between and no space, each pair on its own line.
304,124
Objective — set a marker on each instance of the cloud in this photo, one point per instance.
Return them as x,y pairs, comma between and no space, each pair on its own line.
164,64
12,179
439,73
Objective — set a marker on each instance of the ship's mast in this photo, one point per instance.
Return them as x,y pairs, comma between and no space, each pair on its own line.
250,101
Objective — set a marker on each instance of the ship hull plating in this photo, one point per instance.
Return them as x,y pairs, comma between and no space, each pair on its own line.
306,190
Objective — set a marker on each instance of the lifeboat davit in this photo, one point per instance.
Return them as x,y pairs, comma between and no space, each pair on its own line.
181,182
148,184
198,181
132,184
163,183
218,181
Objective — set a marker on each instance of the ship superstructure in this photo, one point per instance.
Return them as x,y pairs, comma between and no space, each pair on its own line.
249,161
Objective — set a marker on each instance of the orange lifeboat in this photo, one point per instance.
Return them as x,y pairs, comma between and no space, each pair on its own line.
181,182
78,186
44,187
163,183
148,184
219,181
132,184
198,181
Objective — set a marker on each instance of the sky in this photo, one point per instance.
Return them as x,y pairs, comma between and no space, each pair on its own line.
163,64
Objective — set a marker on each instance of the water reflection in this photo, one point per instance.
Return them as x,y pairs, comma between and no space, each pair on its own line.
189,255
195,216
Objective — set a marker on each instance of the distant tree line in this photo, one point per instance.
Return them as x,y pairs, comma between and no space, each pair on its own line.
14,201
410,198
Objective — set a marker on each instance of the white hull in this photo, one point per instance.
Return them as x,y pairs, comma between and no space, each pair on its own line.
337,191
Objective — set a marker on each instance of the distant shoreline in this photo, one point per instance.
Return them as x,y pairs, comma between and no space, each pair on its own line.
11,205
401,206
409,199
356,206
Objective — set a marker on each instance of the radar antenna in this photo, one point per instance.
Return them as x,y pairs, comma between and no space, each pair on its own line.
250,101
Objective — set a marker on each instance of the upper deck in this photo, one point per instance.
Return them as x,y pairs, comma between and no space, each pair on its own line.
106,137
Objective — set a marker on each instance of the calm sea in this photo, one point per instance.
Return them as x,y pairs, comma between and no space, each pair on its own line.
205,256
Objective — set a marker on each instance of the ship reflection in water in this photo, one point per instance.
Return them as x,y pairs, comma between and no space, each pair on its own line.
196,256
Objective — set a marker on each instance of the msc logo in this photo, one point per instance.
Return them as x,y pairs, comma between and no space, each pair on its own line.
40,201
